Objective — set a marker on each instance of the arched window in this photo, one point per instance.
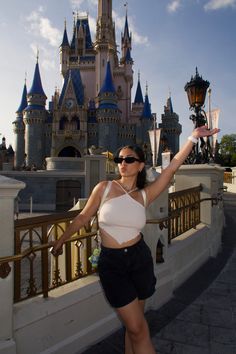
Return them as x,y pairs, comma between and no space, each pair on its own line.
75,123
63,123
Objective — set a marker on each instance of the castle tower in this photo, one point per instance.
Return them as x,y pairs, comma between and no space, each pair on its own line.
105,43
34,118
171,129
138,104
108,114
19,131
127,64
126,42
64,53
146,121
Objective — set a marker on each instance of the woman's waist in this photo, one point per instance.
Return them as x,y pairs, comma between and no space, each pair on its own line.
109,241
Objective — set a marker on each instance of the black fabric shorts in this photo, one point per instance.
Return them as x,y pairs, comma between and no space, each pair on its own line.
126,273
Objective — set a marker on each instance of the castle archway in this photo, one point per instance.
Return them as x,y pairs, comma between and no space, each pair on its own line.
69,151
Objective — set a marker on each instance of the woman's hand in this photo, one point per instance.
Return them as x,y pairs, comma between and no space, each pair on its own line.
203,131
56,249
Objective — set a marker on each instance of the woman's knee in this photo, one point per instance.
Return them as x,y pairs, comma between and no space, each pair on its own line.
138,330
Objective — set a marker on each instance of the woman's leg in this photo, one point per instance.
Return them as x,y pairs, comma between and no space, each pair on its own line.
138,336
128,344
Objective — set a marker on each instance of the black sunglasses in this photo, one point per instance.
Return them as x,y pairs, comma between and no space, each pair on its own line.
127,159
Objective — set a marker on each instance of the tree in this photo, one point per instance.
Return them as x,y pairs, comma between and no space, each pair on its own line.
227,149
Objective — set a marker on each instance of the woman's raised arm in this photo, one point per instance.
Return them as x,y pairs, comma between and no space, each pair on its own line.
161,183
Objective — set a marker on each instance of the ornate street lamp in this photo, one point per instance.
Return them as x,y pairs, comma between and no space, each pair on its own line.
196,90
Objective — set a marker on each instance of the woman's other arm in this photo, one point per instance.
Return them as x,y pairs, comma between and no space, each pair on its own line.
83,218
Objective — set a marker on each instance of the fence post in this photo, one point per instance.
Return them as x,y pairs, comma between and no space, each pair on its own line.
9,189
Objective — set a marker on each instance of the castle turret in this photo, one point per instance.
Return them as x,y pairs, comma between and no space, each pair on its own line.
64,53
126,43
19,131
105,44
108,114
170,129
146,124
34,118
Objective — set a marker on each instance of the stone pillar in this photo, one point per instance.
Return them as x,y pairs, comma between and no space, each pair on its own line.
152,233
9,189
95,171
211,177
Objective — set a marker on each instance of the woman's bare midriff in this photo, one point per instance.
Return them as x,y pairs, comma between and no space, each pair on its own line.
109,242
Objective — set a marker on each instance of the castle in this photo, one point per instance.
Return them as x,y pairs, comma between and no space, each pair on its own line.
94,106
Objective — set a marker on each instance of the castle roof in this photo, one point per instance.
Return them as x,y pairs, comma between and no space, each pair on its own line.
126,29
139,94
108,85
65,42
169,106
85,25
23,103
37,87
147,114
74,76
107,94
128,57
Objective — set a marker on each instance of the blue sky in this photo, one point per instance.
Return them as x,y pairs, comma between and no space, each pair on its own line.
170,38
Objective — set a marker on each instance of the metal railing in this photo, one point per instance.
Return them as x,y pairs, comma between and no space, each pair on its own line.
184,211
37,272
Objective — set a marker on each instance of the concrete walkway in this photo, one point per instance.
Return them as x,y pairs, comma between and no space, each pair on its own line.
201,316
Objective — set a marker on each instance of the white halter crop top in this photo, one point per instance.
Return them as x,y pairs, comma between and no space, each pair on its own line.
122,217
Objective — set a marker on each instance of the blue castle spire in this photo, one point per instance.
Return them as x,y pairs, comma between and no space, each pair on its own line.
108,85
147,114
23,103
65,42
37,87
139,95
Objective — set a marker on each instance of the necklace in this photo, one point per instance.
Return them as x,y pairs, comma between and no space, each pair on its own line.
126,188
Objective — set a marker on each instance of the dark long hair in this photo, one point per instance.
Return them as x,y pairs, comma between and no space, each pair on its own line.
141,178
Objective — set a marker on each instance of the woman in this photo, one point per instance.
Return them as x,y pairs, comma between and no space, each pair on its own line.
125,264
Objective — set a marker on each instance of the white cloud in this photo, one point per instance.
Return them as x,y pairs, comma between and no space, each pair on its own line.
219,4
45,56
77,4
41,26
173,5
120,23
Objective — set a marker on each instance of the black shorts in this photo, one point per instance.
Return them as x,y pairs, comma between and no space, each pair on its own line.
126,273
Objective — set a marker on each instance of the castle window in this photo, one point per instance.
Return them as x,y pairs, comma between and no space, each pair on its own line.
75,123
63,122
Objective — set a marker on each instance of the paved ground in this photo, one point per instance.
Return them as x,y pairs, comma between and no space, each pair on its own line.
201,317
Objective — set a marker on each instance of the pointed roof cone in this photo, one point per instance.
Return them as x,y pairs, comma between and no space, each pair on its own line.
147,109
23,103
65,42
36,87
108,85
169,106
128,56
72,43
139,95
126,29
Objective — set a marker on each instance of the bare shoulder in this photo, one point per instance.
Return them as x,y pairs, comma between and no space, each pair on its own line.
100,188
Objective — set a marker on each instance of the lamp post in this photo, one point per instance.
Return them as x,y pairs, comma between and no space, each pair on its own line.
196,90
